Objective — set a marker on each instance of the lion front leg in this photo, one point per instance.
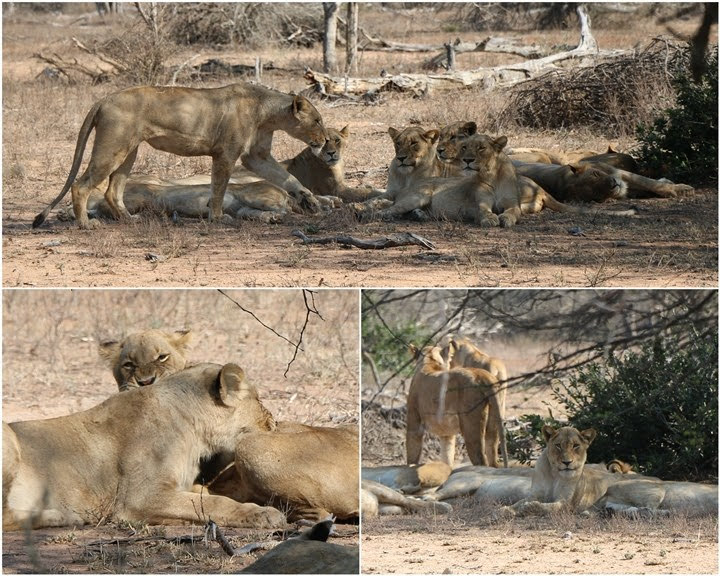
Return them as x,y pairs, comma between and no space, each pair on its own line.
193,507
510,217
220,176
265,166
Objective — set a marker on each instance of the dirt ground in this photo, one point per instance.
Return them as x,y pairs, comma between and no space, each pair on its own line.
51,367
669,243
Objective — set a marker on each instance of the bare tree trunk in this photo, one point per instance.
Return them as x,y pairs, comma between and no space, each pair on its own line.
351,32
329,58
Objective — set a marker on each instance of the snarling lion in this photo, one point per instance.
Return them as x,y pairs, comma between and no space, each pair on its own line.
141,358
446,401
308,471
227,123
562,481
415,160
596,182
134,457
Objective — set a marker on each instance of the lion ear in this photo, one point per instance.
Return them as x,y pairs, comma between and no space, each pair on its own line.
589,435
345,132
413,350
469,128
393,132
300,104
110,352
180,339
231,387
578,168
500,142
548,432
432,135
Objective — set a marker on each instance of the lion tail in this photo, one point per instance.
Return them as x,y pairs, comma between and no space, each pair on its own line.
83,136
501,427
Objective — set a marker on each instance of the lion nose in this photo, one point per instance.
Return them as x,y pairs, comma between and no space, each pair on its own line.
146,381
567,463
401,159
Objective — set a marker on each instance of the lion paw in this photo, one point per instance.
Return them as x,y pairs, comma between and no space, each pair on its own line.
489,220
268,517
507,220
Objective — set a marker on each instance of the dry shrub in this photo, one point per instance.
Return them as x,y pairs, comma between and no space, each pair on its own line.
612,96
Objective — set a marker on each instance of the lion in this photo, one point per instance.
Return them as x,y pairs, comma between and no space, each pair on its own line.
310,471
415,160
226,123
409,479
449,142
465,354
324,174
501,485
446,401
595,182
134,456
379,500
141,358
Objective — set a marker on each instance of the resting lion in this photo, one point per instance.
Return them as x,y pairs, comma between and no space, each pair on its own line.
595,182
415,160
379,500
309,471
134,457
141,358
562,481
227,123
409,479
446,401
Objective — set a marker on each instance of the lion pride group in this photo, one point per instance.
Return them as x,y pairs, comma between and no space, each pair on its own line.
212,450
451,173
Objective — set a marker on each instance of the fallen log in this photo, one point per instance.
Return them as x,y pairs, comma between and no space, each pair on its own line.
404,239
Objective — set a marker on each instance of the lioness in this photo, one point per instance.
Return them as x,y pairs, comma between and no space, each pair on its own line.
409,479
310,471
227,123
134,457
447,401
415,160
449,142
595,182
378,499
464,353
141,358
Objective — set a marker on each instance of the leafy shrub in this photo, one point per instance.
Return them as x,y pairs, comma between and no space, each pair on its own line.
527,442
388,349
682,143
656,409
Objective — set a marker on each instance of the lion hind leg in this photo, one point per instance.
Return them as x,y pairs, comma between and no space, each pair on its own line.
116,187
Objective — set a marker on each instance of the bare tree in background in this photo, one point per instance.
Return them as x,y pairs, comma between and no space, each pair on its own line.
351,36
329,58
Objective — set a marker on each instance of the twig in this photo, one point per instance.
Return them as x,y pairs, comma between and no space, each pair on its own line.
308,310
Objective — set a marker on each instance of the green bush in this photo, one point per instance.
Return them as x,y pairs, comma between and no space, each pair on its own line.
390,350
656,409
682,143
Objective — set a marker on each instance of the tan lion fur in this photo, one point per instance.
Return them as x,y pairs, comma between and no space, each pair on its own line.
310,471
446,401
409,479
379,500
134,457
227,123
141,358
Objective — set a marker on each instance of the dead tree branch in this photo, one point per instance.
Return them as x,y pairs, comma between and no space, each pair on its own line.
404,239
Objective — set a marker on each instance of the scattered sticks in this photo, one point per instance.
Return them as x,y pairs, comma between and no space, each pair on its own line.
403,239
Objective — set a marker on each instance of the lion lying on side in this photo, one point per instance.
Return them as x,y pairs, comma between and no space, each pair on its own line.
115,460
447,401
379,500
310,471
227,123
141,358
409,479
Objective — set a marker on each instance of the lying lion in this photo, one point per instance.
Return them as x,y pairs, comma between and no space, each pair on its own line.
409,479
309,471
562,482
134,457
227,123
447,401
379,500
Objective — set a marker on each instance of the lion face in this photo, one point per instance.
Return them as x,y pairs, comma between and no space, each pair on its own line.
309,125
451,137
142,358
566,448
333,150
413,146
591,184
479,153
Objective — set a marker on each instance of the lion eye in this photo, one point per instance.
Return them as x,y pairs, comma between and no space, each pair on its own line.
163,357
558,446
129,366
337,140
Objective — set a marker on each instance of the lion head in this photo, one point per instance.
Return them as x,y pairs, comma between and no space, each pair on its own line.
334,149
414,147
566,449
309,125
591,184
143,357
451,137
483,155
